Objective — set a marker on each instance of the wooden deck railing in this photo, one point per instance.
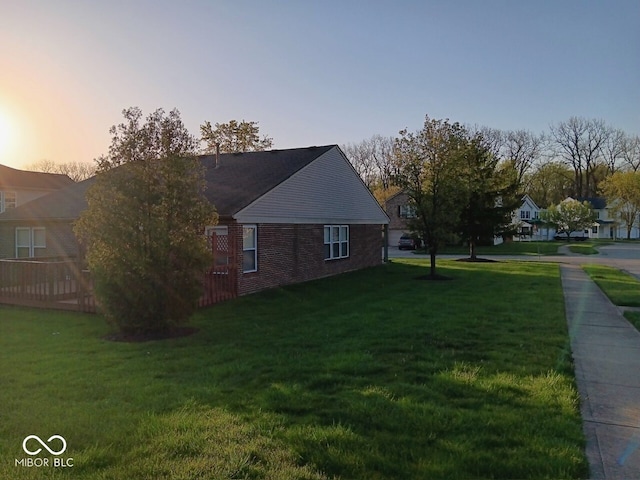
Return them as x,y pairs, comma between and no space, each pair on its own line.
53,284
64,284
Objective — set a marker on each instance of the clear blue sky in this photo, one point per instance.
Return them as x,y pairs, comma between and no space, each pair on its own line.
311,72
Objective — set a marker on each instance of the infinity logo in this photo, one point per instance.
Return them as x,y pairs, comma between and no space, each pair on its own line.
39,440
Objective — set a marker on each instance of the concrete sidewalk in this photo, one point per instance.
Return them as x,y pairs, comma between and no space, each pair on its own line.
606,353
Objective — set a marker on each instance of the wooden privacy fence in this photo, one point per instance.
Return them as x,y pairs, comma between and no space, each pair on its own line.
52,284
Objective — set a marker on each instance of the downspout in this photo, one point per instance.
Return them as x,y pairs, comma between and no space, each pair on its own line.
385,236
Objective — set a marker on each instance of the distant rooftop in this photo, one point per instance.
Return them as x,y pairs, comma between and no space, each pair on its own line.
14,178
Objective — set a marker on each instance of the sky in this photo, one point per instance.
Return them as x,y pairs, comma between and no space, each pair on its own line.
310,72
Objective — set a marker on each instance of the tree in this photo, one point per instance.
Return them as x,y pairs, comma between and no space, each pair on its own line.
578,142
549,183
492,193
613,148
569,216
622,191
631,152
234,137
373,160
77,171
428,168
143,228
522,148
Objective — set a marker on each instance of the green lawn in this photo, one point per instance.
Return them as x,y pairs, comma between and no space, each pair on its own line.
621,288
583,248
373,374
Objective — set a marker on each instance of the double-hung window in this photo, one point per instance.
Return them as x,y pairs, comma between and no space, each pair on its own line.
29,241
336,241
249,248
7,200
407,211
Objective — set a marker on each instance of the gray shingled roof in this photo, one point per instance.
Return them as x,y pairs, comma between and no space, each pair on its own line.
13,178
241,178
597,203
63,204
237,180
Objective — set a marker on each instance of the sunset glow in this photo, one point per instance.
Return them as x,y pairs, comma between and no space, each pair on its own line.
6,135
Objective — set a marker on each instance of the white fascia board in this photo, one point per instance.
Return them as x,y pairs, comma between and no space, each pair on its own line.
308,221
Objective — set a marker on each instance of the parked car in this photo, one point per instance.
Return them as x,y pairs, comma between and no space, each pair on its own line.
407,242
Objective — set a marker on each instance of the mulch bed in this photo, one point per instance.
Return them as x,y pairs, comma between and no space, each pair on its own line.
476,260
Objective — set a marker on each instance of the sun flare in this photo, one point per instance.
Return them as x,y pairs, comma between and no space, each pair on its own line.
6,135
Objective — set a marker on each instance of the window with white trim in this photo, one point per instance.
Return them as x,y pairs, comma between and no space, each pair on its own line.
29,241
336,241
249,248
8,200
406,211
525,214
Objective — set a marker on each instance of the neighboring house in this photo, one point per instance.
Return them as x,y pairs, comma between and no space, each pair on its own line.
527,222
400,212
530,227
285,216
18,187
605,225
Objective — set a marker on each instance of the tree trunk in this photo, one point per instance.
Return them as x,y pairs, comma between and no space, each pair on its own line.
472,249
432,253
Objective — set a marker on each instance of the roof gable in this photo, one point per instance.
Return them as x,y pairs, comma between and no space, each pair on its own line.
527,201
327,190
14,178
240,178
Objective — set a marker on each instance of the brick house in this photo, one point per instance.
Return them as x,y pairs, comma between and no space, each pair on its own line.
285,216
400,211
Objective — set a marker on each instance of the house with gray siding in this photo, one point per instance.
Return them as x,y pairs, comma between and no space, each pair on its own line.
17,188
285,216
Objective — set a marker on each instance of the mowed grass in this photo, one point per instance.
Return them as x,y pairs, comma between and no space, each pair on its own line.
373,374
621,288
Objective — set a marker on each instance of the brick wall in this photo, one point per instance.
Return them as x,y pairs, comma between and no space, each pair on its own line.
392,208
293,253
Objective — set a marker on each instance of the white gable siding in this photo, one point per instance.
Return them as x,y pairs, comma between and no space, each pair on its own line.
327,190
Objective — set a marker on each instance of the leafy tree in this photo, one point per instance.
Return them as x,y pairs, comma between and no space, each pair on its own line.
549,183
234,137
491,194
569,216
143,229
428,165
622,191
